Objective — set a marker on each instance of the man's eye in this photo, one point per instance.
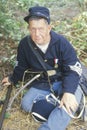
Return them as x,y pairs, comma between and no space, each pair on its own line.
40,28
32,30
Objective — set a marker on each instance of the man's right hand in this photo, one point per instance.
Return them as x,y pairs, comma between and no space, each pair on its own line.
5,81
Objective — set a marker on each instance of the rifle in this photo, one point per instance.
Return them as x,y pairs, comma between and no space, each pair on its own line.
5,104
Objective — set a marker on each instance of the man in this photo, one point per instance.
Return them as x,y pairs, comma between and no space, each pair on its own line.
58,55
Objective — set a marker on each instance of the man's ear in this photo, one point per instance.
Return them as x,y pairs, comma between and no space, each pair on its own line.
28,26
50,27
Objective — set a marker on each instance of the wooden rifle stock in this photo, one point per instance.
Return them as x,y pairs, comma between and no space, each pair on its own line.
2,114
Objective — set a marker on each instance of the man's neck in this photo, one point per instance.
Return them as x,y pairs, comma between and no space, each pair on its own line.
43,47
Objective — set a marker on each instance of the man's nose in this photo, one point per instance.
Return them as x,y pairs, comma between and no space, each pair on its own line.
37,32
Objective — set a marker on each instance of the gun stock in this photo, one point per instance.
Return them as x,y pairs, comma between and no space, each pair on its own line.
2,114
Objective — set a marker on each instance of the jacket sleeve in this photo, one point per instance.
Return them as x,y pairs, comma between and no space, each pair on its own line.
71,67
21,65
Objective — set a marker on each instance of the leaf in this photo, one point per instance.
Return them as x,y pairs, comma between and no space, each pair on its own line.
7,115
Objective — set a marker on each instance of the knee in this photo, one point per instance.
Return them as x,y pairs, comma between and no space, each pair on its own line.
25,105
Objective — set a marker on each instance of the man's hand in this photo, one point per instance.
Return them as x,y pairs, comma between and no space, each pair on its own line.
5,82
69,101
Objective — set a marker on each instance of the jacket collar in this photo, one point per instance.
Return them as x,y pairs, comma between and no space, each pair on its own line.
54,37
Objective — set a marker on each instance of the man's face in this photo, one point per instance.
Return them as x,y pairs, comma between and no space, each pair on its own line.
39,31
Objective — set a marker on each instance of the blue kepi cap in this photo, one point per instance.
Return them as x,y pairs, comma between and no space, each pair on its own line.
38,11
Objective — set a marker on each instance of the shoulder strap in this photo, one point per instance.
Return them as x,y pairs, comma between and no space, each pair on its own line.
36,53
41,60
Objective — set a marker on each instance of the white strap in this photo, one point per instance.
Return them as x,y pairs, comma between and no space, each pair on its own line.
22,88
71,115
39,116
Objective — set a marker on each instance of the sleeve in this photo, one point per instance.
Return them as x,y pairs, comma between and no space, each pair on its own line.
21,65
71,67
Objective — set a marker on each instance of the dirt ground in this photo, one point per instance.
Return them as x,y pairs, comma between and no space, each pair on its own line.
16,119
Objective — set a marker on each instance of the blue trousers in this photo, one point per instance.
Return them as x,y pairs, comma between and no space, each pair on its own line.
58,119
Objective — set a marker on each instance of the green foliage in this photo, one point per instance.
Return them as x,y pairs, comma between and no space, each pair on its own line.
7,115
9,25
82,4
10,60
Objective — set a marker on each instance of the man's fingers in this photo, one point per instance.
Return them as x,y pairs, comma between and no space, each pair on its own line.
61,104
66,107
74,107
6,84
69,107
5,80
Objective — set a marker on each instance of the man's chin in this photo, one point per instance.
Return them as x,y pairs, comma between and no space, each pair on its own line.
39,42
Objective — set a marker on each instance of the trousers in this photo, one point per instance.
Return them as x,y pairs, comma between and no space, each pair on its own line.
58,119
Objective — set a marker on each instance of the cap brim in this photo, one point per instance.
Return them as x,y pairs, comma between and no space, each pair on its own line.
26,18
29,16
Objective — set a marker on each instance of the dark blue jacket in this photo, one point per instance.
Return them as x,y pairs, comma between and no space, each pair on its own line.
60,49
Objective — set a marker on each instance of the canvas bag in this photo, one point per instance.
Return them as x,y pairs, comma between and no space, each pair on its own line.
83,79
83,84
43,106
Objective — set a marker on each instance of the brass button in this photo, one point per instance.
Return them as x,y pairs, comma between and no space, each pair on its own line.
45,60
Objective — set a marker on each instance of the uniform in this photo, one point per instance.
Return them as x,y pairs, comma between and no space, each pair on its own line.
60,55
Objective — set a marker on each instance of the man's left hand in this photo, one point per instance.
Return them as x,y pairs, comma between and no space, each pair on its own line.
69,101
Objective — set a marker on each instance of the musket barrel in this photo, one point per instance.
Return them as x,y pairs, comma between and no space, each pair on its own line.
2,114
